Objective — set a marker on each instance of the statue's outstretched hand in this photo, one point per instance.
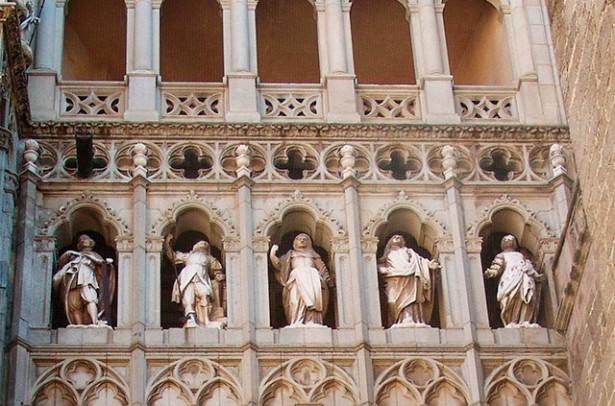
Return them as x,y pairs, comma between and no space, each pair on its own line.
434,265
274,258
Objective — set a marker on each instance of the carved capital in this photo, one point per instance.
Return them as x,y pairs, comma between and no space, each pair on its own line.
231,244
369,245
154,243
124,244
474,245
445,245
340,245
44,243
549,245
261,244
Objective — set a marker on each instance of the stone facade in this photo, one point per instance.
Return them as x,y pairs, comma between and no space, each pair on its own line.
131,143
584,43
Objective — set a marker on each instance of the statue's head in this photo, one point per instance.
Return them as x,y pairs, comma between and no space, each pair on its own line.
85,242
201,246
509,243
302,240
397,241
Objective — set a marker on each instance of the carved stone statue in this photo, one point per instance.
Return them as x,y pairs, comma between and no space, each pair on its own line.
517,290
306,281
85,281
408,282
199,286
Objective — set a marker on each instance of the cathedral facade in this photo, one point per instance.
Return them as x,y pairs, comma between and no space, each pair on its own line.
274,202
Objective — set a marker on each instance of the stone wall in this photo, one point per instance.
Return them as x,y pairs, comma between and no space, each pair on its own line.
584,40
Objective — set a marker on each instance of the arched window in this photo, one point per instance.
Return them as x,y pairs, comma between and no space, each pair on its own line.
476,42
381,43
95,40
287,42
191,47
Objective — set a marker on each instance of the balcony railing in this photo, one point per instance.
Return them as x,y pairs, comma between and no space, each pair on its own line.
388,103
296,102
482,103
92,99
192,101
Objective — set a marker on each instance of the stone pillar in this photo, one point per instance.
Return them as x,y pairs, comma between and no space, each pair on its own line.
125,285
45,249
24,278
341,95
561,183
154,247
516,22
436,85
142,91
260,246
42,79
242,96
468,310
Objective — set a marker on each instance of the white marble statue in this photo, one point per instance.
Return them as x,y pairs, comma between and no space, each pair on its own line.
305,280
408,283
517,290
198,286
80,281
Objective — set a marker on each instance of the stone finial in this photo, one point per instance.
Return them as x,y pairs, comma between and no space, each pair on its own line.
139,159
557,155
449,161
30,155
242,160
348,157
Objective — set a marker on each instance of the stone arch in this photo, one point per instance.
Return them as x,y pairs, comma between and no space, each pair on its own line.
528,380
429,381
190,379
79,379
477,46
396,391
308,380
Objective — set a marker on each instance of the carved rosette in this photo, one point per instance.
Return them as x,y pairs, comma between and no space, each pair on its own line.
421,381
528,381
310,381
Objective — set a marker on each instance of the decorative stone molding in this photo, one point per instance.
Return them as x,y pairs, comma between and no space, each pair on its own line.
557,157
6,139
421,381
340,245
192,200
85,200
528,381
231,244
445,245
308,381
402,201
154,243
30,156
298,201
124,244
139,159
261,244
507,202
194,381
369,245
474,245
80,381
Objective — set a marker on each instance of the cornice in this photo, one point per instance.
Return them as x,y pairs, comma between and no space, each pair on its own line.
17,65
297,131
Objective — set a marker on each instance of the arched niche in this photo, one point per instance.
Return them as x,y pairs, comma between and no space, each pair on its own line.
293,222
191,47
419,236
503,221
192,224
88,220
478,51
381,56
287,42
94,40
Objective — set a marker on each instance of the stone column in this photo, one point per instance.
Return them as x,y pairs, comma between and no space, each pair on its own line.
517,26
23,314
125,285
561,183
468,310
42,79
142,91
341,95
435,83
242,96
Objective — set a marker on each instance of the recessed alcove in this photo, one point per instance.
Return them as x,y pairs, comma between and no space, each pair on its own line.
283,234
420,237
191,47
478,51
191,226
381,43
287,42
94,40
87,221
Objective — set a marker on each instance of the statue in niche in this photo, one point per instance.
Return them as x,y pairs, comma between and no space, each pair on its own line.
518,294
199,286
408,283
305,280
86,282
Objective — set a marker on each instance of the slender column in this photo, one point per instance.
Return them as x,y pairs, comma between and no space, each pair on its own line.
45,41
125,286
154,248
242,95
22,311
45,249
340,92
437,85
142,91
140,277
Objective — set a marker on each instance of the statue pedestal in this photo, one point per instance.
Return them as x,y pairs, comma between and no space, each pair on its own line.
304,335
